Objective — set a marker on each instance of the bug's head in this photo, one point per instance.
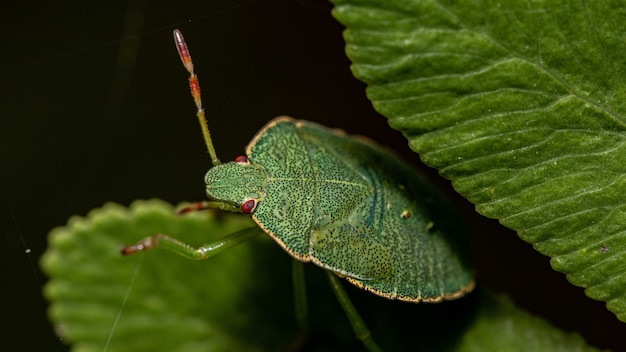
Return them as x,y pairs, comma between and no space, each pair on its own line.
236,183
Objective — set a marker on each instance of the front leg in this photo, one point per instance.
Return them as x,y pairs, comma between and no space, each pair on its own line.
209,204
185,250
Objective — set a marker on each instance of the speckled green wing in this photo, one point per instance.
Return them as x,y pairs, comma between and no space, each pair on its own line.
351,207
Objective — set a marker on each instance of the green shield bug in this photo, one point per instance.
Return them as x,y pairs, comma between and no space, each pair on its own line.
340,202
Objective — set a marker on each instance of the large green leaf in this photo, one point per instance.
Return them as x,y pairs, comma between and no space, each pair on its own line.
241,300
521,104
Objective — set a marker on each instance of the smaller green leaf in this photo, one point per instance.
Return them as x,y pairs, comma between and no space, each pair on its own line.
157,301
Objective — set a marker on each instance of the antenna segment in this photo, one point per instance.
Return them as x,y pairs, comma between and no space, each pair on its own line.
194,85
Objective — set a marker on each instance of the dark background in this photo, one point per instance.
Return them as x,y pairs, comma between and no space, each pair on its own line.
94,107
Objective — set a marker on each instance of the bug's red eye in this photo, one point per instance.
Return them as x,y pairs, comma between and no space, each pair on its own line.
241,159
248,206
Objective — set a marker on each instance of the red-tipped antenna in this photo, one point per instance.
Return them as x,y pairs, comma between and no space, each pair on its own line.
194,84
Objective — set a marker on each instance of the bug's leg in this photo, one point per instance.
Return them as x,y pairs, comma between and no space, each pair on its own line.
197,206
178,247
300,306
361,331
299,293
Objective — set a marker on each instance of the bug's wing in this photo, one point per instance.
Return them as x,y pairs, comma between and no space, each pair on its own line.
398,238
351,248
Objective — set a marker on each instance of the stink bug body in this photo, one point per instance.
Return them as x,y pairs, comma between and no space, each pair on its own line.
340,202
348,206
